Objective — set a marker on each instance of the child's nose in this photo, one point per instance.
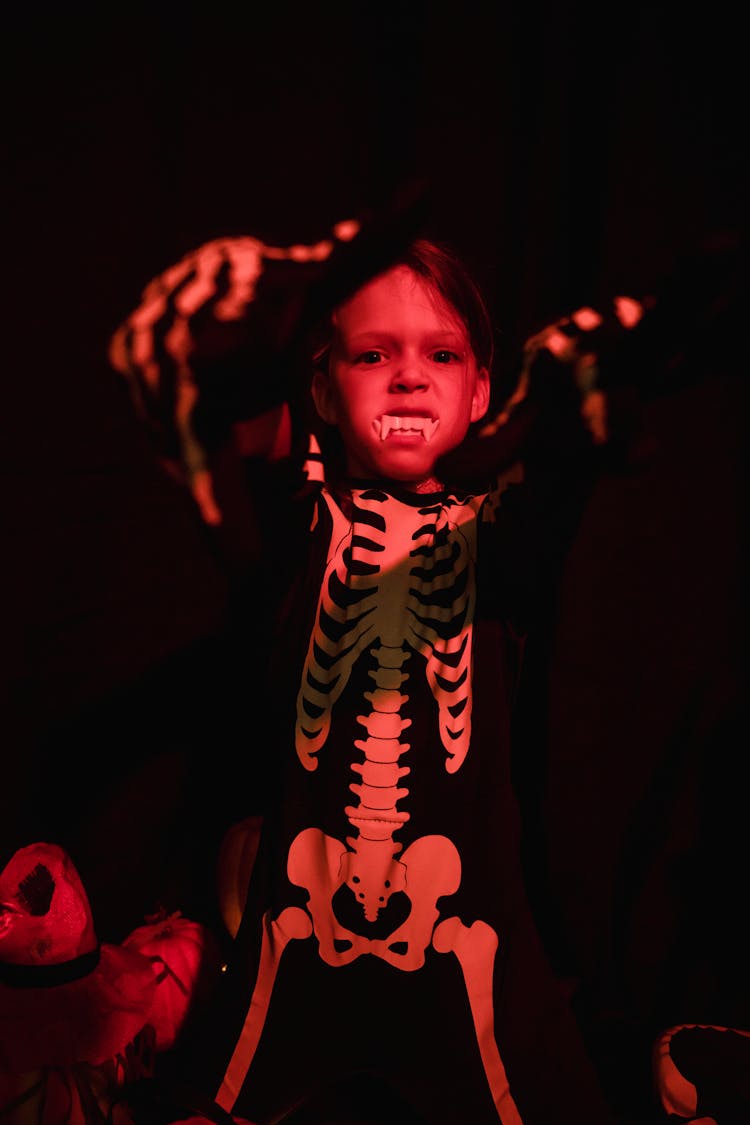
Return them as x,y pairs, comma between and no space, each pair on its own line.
409,376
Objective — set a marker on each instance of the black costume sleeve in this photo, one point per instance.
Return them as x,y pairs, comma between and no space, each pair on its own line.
224,334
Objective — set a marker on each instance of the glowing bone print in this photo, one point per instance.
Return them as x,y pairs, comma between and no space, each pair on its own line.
375,595
373,591
397,602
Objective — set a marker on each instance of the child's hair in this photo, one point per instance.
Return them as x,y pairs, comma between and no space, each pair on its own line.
439,267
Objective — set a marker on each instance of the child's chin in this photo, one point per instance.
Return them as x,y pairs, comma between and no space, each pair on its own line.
405,466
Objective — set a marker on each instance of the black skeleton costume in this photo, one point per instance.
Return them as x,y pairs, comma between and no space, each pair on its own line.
386,933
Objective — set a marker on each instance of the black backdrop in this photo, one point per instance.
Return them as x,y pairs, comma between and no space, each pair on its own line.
573,151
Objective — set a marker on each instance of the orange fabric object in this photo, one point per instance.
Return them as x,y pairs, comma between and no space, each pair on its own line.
185,958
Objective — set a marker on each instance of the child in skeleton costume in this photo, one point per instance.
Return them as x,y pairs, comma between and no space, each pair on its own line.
387,939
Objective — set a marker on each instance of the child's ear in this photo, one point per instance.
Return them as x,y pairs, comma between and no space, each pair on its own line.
481,398
323,397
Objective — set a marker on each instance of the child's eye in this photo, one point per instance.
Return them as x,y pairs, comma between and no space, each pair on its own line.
444,355
369,357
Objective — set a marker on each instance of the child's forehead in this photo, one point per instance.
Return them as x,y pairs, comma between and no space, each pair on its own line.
397,298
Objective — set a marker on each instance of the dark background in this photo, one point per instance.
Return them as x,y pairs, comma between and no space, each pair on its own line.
573,152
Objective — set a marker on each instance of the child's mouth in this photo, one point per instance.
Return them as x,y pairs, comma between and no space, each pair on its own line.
405,426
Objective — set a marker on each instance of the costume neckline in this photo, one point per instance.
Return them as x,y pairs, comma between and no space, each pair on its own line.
397,491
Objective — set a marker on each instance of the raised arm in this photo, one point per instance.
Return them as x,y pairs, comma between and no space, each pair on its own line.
217,348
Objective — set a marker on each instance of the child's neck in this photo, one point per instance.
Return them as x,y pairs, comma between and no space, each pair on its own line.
431,485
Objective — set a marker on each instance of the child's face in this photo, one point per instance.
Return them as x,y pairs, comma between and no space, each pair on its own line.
403,383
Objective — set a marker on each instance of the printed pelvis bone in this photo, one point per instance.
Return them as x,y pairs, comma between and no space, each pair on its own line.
399,581
429,869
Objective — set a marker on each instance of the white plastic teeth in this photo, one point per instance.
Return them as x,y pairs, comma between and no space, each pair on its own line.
387,423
